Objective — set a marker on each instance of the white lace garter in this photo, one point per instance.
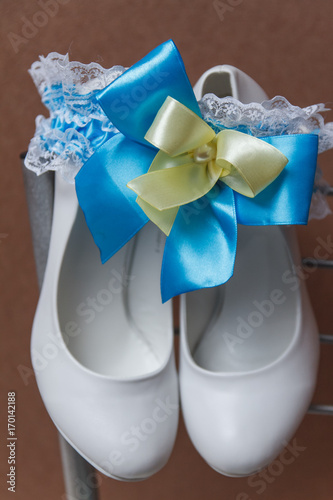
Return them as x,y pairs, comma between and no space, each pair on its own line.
64,142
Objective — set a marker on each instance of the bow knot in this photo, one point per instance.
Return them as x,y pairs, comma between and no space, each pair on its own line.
205,153
192,159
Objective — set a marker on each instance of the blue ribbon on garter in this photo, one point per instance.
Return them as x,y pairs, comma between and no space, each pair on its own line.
200,250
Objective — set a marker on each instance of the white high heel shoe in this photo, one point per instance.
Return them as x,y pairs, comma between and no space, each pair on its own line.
249,348
102,347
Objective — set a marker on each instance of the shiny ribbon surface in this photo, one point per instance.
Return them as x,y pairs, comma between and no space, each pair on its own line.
222,179
192,158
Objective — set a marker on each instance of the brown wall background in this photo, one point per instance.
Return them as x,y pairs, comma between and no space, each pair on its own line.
287,47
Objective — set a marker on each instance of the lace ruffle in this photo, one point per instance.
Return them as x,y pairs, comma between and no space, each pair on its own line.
274,117
66,140
68,88
53,149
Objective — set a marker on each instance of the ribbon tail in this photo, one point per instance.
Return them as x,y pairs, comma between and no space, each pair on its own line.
287,200
200,251
110,208
163,219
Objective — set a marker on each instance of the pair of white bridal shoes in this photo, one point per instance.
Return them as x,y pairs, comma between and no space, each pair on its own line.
102,340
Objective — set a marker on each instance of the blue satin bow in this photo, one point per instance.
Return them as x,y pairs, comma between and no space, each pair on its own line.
200,250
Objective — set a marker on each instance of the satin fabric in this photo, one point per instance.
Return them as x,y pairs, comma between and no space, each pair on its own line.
111,212
192,158
132,101
287,200
200,250
92,131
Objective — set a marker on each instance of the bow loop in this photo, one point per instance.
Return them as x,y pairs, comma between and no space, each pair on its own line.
192,158
177,130
252,163
133,99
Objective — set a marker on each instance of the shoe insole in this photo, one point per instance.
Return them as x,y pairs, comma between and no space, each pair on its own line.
218,83
111,315
252,317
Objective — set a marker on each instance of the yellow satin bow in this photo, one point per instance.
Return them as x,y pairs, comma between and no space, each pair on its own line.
192,158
